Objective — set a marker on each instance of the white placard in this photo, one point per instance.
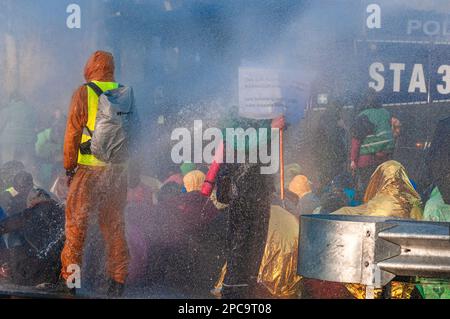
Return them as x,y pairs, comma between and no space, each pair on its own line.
268,93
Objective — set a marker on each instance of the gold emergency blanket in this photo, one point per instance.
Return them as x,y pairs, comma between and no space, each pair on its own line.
390,194
278,270
399,291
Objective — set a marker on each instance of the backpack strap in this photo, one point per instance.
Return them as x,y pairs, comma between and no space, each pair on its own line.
95,88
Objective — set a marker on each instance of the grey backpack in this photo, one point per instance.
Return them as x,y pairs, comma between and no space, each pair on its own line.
116,118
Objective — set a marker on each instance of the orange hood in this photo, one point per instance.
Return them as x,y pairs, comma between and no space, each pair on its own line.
100,67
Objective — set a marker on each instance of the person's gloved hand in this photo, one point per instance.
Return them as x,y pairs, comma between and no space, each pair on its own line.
69,175
279,122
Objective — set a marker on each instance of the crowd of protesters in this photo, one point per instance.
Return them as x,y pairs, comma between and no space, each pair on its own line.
240,242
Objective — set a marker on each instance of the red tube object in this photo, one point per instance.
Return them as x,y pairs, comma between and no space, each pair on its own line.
210,179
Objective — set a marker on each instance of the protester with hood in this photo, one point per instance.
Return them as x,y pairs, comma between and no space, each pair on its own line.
290,171
193,180
389,194
41,227
7,172
199,220
372,139
93,185
197,211
14,199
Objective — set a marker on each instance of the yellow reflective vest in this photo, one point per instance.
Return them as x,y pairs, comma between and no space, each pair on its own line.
91,160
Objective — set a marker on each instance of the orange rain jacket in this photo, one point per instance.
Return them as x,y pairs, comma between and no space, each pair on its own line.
93,189
100,67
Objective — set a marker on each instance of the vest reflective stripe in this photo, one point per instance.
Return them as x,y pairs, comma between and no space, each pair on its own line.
382,140
91,160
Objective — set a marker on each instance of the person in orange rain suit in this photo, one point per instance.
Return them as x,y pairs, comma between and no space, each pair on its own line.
85,174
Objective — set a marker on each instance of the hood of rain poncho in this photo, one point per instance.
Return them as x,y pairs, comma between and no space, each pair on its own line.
300,186
100,67
186,168
233,121
193,181
436,210
278,269
389,193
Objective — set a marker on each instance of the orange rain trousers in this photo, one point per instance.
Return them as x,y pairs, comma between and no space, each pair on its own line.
103,191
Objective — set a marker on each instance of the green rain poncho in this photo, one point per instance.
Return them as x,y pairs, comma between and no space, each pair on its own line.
436,210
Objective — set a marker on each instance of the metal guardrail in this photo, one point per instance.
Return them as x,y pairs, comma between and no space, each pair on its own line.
372,250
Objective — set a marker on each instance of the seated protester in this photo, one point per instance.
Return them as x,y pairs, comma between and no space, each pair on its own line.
339,193
278,268
163,236
197,210
290,171
41,228
179,242
197,213
332,199
7,173
137,222
307,201
14,200
388,194
436,210
346,184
